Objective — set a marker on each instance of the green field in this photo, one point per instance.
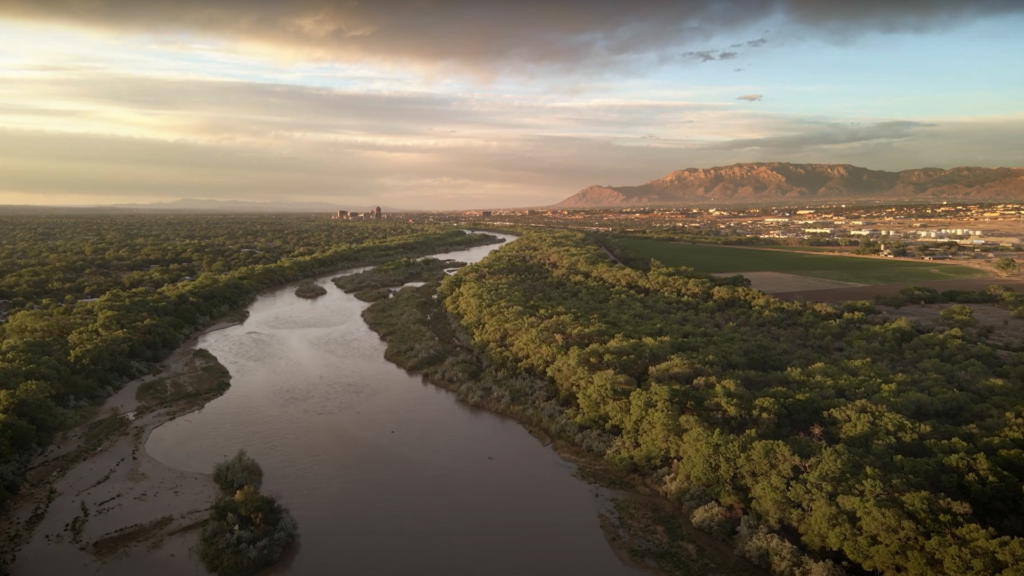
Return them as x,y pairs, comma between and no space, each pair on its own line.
719,259
803,248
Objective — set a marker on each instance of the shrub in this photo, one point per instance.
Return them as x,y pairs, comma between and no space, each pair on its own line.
921,295
240,471
309,289
246,533
1006,266
958,316
969,296
714,519
780,556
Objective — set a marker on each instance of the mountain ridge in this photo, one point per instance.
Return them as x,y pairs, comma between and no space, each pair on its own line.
766,182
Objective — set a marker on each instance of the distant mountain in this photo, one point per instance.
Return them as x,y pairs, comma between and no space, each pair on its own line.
192,204
776,182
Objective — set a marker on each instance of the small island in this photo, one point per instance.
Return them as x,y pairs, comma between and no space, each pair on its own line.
308,289
246,531
377,283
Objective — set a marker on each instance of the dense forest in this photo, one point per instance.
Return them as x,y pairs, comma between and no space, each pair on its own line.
90,301
877,443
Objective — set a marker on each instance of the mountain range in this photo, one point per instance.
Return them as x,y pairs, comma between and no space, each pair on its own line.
781,182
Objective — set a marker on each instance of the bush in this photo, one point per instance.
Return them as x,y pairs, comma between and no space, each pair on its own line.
1006,266
958,316
862,306
969,296
246,533
240,471
921,295
714,519
309,289
780,556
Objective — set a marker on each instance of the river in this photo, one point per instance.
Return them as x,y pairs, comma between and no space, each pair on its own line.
385,475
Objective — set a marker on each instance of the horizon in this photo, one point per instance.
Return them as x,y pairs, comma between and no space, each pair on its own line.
447,107
401,209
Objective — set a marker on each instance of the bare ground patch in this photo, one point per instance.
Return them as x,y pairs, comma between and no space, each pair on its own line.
996,324
869,292
97,503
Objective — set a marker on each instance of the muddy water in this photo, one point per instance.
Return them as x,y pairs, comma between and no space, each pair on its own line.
385,475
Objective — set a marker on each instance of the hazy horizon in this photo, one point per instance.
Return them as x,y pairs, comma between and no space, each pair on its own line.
453,104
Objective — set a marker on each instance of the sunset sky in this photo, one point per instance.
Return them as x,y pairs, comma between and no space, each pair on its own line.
461,104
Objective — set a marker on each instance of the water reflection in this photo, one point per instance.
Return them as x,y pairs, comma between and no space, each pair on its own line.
385,474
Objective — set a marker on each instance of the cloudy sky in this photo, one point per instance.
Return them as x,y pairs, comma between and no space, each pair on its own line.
472,103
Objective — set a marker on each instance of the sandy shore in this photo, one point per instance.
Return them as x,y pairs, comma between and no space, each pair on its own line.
96,503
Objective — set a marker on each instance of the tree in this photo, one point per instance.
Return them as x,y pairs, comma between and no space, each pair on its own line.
868,246
1006,266
958,316
238,472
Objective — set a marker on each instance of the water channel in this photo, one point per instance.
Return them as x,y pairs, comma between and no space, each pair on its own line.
386,475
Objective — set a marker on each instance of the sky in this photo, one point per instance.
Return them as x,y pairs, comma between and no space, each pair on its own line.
451,104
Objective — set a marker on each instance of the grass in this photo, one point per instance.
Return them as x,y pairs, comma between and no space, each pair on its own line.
725,259
653,534
202,379
850,249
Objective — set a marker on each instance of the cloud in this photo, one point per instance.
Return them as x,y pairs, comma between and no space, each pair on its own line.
751,97
702,55
503,33
757,43
728,55
829,135
132,138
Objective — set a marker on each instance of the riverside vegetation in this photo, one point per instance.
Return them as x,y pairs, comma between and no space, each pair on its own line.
309,290
88,302
246,531
811,436
372,285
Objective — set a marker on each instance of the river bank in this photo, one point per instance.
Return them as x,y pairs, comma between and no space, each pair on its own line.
96,501
644,528
58,490
384,474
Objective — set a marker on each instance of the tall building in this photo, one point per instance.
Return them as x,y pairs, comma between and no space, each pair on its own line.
376,213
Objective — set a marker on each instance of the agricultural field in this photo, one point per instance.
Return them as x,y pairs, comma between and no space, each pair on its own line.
833,249
732,259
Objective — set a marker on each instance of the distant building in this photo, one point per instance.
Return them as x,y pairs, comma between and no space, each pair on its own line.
376,213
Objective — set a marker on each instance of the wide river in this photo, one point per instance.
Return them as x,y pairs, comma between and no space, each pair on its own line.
386,475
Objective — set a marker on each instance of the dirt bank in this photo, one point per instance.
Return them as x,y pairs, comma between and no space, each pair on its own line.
869,292
96,503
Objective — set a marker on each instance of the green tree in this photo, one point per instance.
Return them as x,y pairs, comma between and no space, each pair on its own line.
1006,266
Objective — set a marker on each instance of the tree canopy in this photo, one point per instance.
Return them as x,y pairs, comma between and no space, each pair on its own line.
898,448
88,302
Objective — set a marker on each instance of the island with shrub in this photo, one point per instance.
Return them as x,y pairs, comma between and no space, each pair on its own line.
309,289
246,531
